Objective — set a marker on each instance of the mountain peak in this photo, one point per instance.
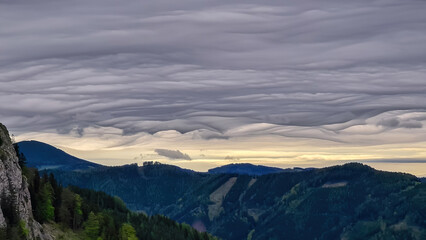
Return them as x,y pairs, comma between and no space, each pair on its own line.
44,156
245,169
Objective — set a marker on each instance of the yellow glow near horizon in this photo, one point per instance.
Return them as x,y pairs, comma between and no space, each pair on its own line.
112,149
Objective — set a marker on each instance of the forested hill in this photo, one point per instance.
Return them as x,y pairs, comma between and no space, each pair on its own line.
252,170
88,214
352,201
28,200
246,168
148,188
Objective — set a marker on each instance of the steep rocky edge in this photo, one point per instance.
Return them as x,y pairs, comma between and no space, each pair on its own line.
14,187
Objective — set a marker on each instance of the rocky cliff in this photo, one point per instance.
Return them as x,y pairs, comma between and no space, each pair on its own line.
14,195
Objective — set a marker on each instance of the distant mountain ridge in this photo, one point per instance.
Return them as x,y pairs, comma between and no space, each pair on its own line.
44,156
252,170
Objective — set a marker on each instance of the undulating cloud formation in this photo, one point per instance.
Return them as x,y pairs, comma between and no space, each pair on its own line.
298,82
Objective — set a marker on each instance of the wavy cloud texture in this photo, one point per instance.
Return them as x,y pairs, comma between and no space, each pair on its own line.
342,71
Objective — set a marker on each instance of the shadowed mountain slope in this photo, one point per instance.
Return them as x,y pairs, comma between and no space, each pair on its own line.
44,156
352,201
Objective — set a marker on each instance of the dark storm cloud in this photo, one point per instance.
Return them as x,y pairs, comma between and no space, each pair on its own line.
211,66
172,154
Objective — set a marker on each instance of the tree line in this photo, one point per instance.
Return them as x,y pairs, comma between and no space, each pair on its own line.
92,215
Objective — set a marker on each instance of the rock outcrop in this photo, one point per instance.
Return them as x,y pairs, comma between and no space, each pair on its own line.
14,194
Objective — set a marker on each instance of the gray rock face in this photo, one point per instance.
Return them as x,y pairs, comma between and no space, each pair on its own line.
14,187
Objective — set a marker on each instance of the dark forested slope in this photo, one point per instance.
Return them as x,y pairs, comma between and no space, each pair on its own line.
352,201
96,215
28,200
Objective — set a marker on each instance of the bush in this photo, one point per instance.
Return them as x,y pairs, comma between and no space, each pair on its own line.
23,229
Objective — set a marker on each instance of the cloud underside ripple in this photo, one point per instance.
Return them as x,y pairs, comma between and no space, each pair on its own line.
343,71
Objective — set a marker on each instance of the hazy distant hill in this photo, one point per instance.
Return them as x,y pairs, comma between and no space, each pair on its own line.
252,170
44,156
352,201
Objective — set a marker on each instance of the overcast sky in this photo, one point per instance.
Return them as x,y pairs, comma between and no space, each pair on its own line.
203,83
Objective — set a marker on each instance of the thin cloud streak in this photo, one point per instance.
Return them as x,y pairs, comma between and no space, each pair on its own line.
172,154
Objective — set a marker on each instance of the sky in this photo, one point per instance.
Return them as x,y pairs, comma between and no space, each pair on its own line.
200,83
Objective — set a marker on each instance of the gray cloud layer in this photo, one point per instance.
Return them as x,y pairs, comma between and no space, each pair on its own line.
172,154
211,66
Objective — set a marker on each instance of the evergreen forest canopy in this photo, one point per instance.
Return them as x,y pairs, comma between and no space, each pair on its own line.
352,201
75,213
